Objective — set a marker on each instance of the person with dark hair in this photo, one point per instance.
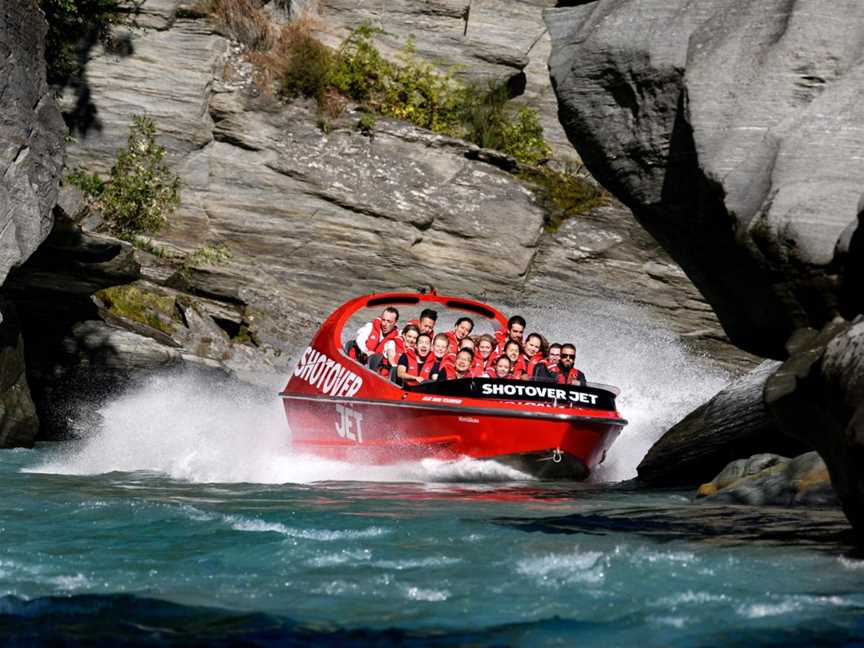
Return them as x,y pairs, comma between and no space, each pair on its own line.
461,368
372,337
514,331
501,369
394,348
535,352
413,361
548,368
513,350
564,372
462,329
426,321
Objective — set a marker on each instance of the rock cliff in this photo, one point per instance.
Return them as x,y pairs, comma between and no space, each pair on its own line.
731,129
31,159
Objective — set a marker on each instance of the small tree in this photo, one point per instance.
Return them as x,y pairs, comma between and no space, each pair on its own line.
142,191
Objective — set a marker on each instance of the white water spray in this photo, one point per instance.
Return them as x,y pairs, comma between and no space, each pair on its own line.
193,427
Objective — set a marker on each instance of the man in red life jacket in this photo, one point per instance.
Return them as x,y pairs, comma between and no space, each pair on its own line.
440,356
548,369
569,375
426,321
514,331
463,328
412,363
372,337
461,368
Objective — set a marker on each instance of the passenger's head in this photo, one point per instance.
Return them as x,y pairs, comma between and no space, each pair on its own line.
467,343
502,367
428,317
516,328
464,326
554,353
440,345
512,350
424,344
485,344
568,355
464,359
389,317
409,334
533,344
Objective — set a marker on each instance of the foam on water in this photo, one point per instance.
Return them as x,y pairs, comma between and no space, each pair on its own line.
196,428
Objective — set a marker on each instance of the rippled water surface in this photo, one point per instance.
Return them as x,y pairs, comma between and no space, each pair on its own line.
151,558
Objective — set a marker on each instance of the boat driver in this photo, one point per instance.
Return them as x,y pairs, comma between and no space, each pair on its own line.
372,337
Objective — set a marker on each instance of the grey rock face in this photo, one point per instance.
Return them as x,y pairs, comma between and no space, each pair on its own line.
818,397
731,130
31,159
735,423
31,136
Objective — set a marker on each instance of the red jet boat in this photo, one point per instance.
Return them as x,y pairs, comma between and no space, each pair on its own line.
340,409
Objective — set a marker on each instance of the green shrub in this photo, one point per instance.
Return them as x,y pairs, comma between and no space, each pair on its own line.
563,194
208,255
72,25
309,68
142,191
366,123
89,183
360,71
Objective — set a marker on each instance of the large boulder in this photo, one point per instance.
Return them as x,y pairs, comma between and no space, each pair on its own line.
31,159
735,423
732,130
818,397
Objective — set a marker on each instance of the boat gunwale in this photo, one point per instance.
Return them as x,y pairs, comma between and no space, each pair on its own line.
459,409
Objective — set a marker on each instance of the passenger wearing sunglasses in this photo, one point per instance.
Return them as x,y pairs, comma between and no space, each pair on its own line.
563,372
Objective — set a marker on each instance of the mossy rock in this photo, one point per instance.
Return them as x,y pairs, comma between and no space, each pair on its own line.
154,309
562,194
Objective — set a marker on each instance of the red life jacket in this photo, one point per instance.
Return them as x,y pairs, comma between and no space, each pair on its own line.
414,367
448,361
477,364
572,377
536,359
376,341
454,341
501,336
450,372
518,367
426,370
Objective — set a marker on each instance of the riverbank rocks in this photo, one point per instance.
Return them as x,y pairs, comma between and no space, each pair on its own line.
818,397
772,480
732,131
735,423
31,159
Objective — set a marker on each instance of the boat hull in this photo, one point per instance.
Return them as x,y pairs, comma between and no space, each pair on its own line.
540,442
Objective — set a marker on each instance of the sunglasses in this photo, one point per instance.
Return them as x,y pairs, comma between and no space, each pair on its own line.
568,355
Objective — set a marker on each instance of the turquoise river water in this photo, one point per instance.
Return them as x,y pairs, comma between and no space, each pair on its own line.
181,517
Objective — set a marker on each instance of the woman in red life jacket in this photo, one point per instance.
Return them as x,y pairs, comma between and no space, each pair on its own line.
440,355
485,347
501,369
372,337
535,352
463,328
514,331
411,363
461,368
513,350
394,348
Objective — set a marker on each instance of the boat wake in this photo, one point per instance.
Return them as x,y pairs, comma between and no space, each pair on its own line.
195,428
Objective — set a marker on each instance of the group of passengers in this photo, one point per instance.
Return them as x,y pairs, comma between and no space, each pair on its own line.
418,354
